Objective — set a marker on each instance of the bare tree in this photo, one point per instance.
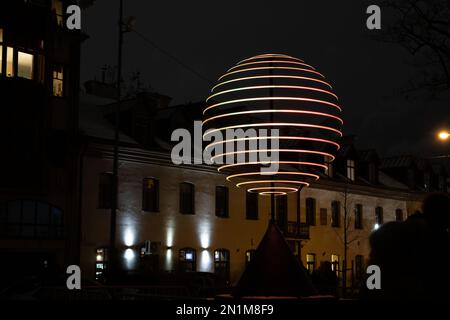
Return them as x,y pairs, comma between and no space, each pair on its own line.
348,235
423,28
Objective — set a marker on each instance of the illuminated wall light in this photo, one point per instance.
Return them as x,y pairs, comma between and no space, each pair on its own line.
129,254
205,240
169,237
205,261
169,259
129,237
309,137
99,257
376,226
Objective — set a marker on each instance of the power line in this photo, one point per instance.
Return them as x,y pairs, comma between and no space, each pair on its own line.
171,56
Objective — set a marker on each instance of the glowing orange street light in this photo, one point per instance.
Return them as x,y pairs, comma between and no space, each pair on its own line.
444,135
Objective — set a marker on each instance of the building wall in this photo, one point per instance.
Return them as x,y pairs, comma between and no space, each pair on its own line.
204,231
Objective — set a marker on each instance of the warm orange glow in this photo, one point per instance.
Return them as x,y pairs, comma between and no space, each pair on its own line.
261,189
443,135
270,55
273,150
296,182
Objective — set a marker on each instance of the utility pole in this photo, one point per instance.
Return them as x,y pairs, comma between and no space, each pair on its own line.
112,236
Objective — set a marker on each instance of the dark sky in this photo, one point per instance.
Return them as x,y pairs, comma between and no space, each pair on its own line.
211,36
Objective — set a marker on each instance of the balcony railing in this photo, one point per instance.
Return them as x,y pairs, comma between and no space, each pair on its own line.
297,230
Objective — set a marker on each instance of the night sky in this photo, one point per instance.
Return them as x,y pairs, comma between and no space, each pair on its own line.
210,37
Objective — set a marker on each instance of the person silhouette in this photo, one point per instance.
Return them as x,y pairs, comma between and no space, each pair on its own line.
414,255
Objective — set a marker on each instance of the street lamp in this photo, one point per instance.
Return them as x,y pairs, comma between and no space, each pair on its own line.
443,135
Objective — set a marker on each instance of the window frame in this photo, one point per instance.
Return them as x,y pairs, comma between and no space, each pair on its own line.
146,197
359,225
251,206
336,209
187,209
222,207
105,191
310,211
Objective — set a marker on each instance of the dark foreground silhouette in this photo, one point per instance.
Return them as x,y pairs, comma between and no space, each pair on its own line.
414,255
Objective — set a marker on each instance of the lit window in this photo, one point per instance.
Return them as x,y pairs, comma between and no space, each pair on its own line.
57,7
9,62
335,263
25,65
249,254
310,262
187,259
222,263
58,81
351,169
101,260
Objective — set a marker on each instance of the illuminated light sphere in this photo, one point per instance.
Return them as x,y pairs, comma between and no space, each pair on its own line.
273,91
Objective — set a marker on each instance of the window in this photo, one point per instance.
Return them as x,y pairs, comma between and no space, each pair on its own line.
251,206
249,254
335,214
105,190
187,198
58,81
379,216
310,262
311,211
101,261
188,259
9,62
335,263
358,216
25,65
399,215
57,7
222,202
30,219
222,263
359,267
282,212
323,217
351,169
150,195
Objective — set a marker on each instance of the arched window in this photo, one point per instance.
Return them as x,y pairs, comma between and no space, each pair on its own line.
222,263
188,259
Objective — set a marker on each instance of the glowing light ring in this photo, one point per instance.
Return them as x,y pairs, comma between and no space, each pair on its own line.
296,182
246,174
270,137
322,114
268,163
273,150
271,61
272,98
271,68
251,94
288,189
271,87
274,124
271,55
270,77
